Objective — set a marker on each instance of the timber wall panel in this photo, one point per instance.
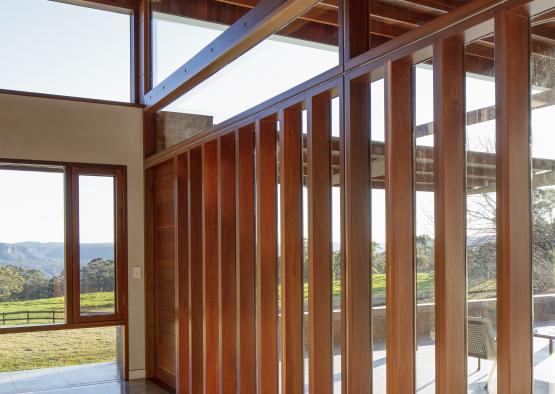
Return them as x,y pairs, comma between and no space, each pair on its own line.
164,258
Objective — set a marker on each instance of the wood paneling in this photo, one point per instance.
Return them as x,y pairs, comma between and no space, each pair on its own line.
195,271
319,245
292,290
164,257
400,259
514,255
227,257
450,219
246,275
266,256
357,246
210,267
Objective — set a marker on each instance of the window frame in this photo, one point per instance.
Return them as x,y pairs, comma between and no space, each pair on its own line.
74,319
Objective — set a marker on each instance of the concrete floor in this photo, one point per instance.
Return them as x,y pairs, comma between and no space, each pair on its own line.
102,378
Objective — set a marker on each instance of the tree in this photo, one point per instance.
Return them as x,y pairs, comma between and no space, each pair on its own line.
98,276
11,283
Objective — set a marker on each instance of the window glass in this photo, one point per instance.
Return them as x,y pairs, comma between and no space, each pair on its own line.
97,272
543,207
32,248
378,261
480,216
301,50
424,170
56,48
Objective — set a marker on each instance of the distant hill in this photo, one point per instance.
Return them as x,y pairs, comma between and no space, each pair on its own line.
49,257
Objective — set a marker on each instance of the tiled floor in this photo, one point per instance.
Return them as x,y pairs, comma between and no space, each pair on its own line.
57,378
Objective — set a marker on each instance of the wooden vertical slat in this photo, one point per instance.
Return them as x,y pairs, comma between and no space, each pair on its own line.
320,246
227,282
450,222
195,272
210,266
266,256
246,276
182,271
514,262
357,245
400,264
291,250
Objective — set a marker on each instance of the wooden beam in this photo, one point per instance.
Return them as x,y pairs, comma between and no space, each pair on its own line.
149,273
400,261
182,270
292,290
259,23
320,246
246,275
450,216
227,257
195,271
210,266
266,256
514,261
357,40
357,247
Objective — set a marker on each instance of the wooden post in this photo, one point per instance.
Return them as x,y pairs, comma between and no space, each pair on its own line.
450,219
514,256
291,250
320,245
266,256
357,245
400,266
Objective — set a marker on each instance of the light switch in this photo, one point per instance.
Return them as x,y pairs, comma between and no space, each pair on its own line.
137,272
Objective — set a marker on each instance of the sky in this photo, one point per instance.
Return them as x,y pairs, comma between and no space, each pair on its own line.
32,207
58,48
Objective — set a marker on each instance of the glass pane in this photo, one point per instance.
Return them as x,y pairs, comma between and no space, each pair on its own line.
480,217
303,49
97,270
306,235
377,172
180,30
32,247
56,48
424,242
543,207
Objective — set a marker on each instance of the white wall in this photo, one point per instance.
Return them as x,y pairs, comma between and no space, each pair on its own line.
33,128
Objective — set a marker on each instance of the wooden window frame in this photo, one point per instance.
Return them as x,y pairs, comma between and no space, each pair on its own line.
71,244
120,242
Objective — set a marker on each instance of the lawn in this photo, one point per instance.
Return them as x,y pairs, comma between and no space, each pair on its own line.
57,348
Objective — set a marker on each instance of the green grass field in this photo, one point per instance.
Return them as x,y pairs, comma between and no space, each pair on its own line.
57,348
